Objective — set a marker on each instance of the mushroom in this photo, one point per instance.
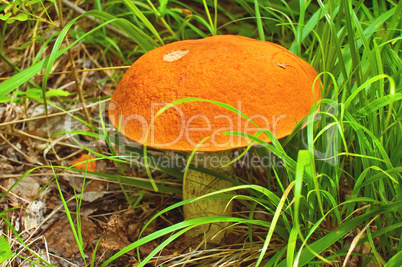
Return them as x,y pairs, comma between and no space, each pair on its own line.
268,83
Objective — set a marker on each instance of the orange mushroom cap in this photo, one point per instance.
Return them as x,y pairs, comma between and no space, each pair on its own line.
268,83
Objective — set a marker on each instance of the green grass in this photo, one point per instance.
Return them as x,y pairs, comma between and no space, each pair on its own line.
341,173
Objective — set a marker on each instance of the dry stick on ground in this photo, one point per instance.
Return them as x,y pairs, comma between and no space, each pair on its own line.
51,115
96,63
70,54
75,74
355,240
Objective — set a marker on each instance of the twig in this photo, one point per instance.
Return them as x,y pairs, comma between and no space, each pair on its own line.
13,194
52,114
355,240
75,74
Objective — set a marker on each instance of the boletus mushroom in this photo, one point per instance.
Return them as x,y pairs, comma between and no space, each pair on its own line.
268,83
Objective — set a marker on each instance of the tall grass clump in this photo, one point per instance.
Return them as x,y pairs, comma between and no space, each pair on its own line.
338,191
335,197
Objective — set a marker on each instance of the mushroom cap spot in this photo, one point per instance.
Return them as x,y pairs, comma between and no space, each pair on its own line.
175,55
238,71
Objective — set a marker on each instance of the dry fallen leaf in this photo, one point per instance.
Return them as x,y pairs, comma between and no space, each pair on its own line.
39,127
60,237
120,227
27,189
5,166
34,214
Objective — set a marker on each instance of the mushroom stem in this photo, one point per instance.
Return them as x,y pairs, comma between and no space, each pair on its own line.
197,184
